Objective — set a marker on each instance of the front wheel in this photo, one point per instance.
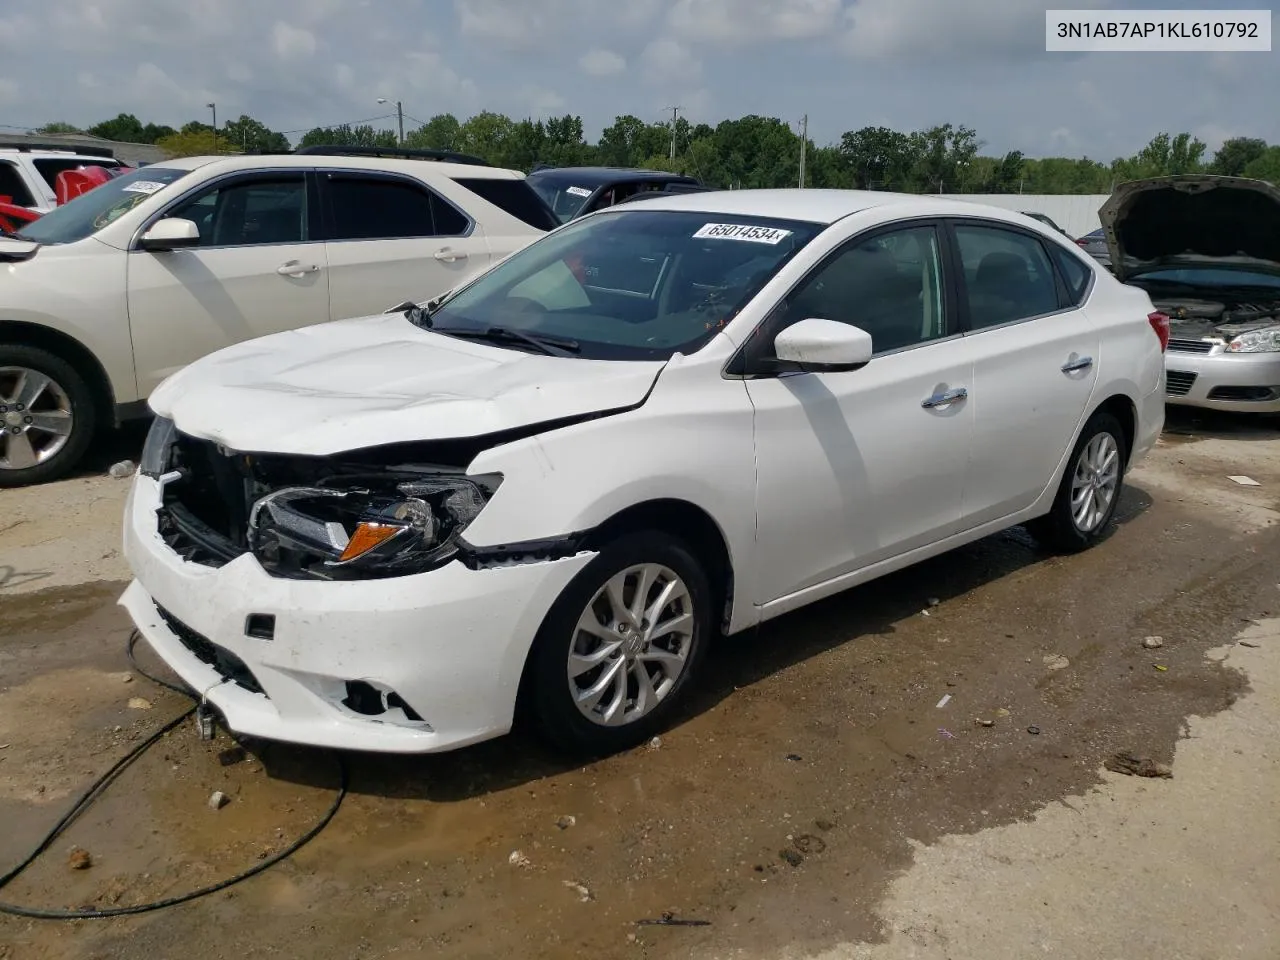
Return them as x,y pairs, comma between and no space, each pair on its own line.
1090,489
47,415
620,646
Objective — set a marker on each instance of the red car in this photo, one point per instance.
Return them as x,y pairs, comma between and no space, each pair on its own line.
68,185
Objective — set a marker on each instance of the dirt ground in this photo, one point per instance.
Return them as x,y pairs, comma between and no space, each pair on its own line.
818,799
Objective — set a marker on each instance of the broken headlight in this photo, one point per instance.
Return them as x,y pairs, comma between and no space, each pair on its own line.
1266,340
390,528
156,449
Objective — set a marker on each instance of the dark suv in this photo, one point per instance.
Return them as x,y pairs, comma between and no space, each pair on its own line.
573,192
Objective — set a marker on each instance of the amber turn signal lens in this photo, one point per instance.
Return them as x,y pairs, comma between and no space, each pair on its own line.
366,537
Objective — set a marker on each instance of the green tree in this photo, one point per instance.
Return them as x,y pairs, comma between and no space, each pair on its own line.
441,132
125,128
877,158
194,143
944,154
485,135
1236,154
253,136
346,135
1265,167
56,127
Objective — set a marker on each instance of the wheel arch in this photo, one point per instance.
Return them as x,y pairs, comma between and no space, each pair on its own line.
69,349
1122,407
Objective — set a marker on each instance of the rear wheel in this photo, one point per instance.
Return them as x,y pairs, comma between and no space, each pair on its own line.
1090,489
620,646
47,416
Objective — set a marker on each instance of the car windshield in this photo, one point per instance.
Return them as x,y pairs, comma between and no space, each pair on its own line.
1211,277
90,212
626,285
563,197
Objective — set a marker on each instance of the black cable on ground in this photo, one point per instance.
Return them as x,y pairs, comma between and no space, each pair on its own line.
89,796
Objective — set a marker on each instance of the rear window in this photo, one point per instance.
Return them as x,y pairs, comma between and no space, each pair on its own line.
12,186
50,167
515,197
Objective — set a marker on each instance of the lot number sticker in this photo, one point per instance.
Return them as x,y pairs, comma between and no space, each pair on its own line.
741,231
578,191
144,186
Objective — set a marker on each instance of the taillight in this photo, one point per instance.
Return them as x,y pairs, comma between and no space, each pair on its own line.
1082,243
1160,324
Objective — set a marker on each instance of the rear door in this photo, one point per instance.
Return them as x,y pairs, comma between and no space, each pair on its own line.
256,271
391,238
1035,355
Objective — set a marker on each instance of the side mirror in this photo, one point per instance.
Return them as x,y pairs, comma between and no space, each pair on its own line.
171,233
822,346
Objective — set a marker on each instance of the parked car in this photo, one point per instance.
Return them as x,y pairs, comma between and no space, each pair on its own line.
105,296
1207,251
576,191
13,217
29,174
1094,244
549,489
1047,220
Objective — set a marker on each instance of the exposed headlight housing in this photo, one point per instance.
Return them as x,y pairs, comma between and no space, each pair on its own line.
1266,340
156,449
395,527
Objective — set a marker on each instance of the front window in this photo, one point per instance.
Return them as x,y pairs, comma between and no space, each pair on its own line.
101,206
635,285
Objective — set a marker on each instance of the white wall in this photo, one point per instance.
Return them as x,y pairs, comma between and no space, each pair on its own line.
1077,215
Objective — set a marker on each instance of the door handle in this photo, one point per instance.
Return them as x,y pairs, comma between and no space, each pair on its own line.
292,268
448,255
1071,366
942,399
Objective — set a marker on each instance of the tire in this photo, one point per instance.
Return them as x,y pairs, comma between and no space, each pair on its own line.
550,695
1062,528
64,401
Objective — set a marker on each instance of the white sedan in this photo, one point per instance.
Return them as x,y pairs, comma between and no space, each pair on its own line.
542,495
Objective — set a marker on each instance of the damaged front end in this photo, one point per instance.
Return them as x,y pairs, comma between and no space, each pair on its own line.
366,515
1208,325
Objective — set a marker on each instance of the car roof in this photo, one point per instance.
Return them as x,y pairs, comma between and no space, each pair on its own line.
595,176
816,205
309,161
60,155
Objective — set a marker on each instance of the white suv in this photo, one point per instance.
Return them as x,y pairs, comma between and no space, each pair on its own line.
28,176
104,297
550,488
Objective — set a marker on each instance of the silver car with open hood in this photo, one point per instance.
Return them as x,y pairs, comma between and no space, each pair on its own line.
1207,251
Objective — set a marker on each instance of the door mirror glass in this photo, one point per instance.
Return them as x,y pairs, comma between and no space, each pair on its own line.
170,234
823,345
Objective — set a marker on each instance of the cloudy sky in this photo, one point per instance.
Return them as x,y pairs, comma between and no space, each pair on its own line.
905,64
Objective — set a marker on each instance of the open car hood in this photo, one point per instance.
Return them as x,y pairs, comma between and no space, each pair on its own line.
1192,220
367,382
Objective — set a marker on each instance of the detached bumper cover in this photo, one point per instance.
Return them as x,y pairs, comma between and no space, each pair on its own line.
451,643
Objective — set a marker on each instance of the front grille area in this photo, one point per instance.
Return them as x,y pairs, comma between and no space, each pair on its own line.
1243,394
1177,383
204,516
206,651
1183,345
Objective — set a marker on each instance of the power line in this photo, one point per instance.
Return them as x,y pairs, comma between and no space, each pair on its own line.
344,123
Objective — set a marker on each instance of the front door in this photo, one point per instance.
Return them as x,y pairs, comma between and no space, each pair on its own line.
857,467
254,272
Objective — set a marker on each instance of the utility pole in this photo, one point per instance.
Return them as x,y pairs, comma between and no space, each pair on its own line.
675,116
804,143
214,108
399,117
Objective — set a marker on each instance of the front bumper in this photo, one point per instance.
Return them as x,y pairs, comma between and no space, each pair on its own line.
1241,382
451,643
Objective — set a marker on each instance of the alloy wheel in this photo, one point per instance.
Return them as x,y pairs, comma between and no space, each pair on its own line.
1095,482
35,417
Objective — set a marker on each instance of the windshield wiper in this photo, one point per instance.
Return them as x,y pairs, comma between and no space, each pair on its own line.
550,346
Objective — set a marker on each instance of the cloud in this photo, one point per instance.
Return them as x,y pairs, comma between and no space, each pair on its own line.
542,102
291,42
668,62
734,22
599,62
8,90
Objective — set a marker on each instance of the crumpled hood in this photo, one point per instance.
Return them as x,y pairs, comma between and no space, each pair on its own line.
1192,220
371,381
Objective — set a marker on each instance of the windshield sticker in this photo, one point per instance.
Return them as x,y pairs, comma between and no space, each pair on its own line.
742,231
145,186
578,191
